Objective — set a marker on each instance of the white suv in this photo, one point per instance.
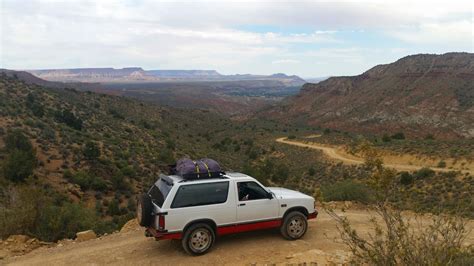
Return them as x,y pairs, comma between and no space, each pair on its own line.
196,211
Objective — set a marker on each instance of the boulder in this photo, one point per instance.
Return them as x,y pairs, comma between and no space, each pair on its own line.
18,239
85,235
16,245
131,225
75,190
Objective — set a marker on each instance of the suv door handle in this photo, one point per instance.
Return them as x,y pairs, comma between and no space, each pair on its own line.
242,204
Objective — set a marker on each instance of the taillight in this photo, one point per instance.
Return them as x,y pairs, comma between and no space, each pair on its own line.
161,222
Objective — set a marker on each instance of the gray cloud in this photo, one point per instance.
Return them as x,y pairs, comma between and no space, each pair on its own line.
226,36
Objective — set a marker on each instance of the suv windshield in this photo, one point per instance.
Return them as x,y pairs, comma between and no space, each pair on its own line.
159,191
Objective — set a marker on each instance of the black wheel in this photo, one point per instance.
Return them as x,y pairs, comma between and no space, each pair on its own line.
198,239
144,210
295,225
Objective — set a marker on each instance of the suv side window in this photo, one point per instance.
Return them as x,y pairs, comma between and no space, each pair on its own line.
201,194
251,191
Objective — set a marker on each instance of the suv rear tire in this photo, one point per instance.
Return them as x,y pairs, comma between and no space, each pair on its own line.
198,239
295,225
144,210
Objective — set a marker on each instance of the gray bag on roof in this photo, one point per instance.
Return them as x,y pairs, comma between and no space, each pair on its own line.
197,169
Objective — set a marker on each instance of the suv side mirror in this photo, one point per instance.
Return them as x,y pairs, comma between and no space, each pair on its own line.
269,195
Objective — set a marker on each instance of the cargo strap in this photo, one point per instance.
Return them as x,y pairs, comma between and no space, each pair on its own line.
207,168
197,168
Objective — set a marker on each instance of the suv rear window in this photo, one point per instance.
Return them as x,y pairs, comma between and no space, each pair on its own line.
201,194
159,191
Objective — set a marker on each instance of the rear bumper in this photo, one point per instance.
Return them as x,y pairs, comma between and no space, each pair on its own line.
313,215
159,235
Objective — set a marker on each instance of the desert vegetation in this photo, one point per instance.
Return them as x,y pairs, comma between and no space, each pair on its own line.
96,169
396,239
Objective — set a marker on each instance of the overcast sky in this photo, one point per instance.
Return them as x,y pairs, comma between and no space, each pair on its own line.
307,38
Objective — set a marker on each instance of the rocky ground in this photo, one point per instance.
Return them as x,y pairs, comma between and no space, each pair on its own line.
321,245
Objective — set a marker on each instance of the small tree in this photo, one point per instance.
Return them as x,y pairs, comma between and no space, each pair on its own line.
68,118
19,165
16,140
91,150
406,178
21,159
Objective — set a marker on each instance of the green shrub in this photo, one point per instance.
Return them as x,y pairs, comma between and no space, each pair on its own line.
311,171
119,182
170,144
166,156
291,137
281,173
16,140
253,154
21,157
113,208
59,222
346,191
91,150
398,135
86,180
386,138
68,118
20,206
424,172
116,114
19,165
128,171
35,107
406,178
442,164
34,211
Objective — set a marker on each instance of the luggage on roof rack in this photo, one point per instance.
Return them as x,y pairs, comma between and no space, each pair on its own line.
197,169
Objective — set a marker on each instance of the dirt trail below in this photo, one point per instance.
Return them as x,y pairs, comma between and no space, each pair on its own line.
320,244
335,153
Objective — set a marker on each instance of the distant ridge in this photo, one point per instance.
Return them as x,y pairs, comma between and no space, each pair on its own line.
137,74
32,79
420,95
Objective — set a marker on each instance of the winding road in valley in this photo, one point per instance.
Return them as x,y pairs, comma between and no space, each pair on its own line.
334,153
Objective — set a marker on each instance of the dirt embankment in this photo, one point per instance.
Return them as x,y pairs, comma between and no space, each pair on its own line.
321,244
337,153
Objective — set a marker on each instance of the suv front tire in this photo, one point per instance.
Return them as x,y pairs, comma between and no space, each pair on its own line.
295,225
198,239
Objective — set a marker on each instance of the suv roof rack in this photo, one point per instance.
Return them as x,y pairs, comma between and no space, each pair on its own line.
222,175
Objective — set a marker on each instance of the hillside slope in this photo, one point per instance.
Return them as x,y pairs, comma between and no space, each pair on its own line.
87,152
419,95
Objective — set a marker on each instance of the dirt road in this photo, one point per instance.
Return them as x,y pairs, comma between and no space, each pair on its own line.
334,153
320,244
252,247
